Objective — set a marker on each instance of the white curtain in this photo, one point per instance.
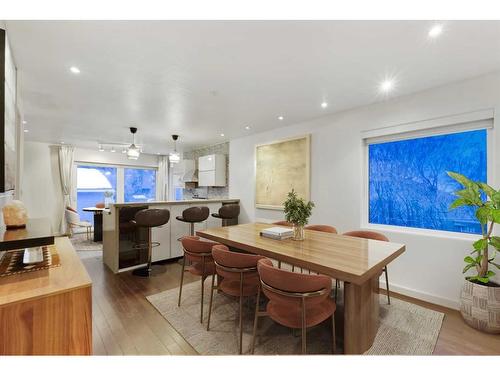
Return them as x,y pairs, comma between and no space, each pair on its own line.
66,173
162,177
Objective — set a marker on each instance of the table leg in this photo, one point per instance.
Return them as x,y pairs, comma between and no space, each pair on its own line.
97,227
361,316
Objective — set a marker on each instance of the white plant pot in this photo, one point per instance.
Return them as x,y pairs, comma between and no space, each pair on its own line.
480,306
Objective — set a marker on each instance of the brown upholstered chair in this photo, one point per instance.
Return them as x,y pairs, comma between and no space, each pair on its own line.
295,300
371,235
227,213
283,223
238,275
150,218
193,215
199,253
321,228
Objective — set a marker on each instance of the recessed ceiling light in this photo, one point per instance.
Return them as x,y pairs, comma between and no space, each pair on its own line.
387,85
113,149
435,31
62,142
280,118
74,70
101,149
25,122
157,153
324,105
222,134
247,127
26,131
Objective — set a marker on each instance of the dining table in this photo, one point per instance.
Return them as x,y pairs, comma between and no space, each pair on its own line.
97,211
358,262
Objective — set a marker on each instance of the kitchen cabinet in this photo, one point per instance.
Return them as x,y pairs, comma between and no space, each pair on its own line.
212,170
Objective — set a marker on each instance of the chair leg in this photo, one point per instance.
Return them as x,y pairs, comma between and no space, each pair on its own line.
210,304
182,279
337,286
293,268
333,333
304,338
279,264
387,285
241,311
256,318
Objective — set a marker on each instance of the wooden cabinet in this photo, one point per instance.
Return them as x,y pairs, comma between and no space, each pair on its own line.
48,312
212,170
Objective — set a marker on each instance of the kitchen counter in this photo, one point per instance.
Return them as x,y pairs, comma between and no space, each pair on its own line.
121,236
187,201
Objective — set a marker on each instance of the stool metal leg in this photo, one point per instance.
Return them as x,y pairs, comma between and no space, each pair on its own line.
182,278
387,285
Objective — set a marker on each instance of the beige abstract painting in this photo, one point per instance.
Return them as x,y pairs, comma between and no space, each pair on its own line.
280,167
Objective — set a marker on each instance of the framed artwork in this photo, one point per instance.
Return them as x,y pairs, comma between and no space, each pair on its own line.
280,167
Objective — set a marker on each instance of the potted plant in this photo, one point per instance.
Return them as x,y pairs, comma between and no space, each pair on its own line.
480,297
297,212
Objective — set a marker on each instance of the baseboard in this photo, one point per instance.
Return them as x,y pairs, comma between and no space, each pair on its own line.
431,298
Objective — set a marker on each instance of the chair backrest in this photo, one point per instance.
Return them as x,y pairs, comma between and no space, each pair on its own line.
195,214
152,217
321,228
315,288
72,217
229,211
283,223
193,245
225,259
368,234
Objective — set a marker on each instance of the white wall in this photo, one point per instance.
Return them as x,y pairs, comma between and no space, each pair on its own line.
41,186
431,267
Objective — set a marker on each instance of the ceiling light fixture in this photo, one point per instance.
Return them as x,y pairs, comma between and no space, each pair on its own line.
435,31
26,130
174,157
247,127
101,149
25,122
222,134
280,118
74,70
324,105
133,151
112,149
387,85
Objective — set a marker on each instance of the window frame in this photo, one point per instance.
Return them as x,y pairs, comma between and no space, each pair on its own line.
120,178
422,133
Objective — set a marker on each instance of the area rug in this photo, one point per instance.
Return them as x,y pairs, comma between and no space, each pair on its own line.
405,328
81,243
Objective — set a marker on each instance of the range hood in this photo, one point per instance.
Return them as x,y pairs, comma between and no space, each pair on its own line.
191,175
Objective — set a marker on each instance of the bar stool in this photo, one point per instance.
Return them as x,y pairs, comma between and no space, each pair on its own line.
228,212
194,215
150,218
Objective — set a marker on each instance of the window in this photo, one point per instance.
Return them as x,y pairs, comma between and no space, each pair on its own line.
408,185
93,182
139,185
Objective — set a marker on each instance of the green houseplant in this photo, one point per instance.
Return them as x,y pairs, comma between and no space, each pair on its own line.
480,297
297,212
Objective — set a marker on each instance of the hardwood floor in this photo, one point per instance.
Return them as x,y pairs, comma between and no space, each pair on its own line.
125,323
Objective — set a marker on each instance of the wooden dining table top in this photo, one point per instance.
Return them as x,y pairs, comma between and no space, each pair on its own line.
350,259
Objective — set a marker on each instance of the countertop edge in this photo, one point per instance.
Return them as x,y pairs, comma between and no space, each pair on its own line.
167,203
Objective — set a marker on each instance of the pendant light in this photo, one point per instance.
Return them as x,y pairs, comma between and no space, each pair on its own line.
133,151
174,157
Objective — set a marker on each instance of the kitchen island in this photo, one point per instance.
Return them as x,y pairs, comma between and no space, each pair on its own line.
121,236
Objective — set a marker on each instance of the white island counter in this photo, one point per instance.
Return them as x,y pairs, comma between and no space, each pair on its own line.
120,237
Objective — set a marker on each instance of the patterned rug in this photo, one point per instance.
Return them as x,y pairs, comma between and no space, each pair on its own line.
405,328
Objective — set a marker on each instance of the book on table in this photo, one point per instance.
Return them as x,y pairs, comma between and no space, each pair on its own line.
277,233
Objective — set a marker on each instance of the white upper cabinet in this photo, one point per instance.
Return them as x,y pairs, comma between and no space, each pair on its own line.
212,170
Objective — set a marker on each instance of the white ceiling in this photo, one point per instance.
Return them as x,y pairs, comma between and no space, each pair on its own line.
202,78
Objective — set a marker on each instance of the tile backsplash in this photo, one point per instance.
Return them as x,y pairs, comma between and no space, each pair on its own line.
205,191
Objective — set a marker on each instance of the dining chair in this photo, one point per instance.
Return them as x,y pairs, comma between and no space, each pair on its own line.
283,223
295,300
199,253
371,235
238,277
321,228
